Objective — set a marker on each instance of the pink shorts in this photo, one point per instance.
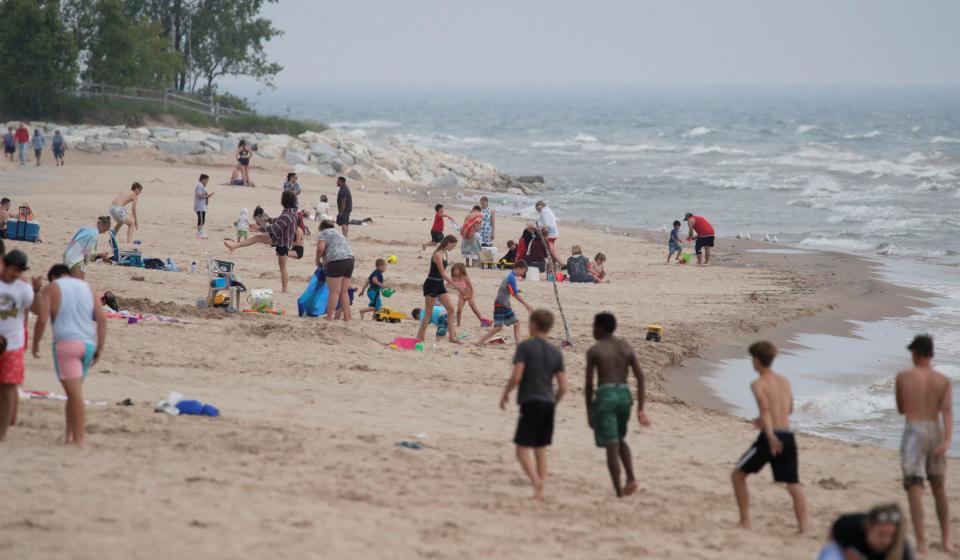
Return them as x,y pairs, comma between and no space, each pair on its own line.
551,241
72,358
12,366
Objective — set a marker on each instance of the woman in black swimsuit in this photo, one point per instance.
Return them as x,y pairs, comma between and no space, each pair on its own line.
243,155
434,288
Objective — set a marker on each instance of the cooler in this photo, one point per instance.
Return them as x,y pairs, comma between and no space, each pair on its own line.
23,230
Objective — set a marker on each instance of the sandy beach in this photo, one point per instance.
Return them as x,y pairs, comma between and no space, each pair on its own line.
303,463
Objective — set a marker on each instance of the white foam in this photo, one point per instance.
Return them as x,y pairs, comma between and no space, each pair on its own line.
701,150
585,138
944,140
698,131
865,136
842,245
805,128
373,123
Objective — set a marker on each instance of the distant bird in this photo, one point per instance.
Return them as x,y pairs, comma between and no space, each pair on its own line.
775,240
748,235
766,237
740,236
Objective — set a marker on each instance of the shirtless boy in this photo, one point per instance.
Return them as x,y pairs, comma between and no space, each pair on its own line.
119,211
776,443
609,411
924,397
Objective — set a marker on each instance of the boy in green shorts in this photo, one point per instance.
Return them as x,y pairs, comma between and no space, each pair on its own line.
373,287
608,409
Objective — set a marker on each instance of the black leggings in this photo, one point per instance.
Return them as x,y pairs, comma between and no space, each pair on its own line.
201,218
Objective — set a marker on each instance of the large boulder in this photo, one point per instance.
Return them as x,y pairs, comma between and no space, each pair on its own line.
178,148
138,133
96,132
114,144
302,169
195,136
448,181
354,174
326,170
269,150
89,146
323,152
210,145
294,156
162,132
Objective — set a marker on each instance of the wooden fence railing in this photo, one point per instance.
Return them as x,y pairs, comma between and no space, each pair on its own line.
203,105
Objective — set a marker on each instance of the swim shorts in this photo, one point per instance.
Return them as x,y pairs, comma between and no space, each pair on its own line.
785,465
920,439
675,247
434,287
342,268
376,302
703,242
58,152
281,251
72,358
343,219
535,425
12,366
436,236
610,413
298,249
9,149
503,316
119,213
241,234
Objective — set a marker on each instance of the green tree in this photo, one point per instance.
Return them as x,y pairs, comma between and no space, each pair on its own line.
227,38
124,52
39,61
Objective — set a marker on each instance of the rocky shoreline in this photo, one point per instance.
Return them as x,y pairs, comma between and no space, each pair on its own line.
328,153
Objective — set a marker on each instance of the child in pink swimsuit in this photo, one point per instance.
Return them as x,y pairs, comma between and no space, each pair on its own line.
458,273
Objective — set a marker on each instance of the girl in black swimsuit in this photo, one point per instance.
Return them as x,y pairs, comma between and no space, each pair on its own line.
243,162
434,288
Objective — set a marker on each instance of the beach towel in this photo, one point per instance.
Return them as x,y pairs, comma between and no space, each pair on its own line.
313,301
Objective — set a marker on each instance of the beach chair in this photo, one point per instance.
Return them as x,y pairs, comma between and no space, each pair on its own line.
220,277
131,257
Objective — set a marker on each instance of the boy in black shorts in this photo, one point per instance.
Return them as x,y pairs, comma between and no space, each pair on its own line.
535,365
776,443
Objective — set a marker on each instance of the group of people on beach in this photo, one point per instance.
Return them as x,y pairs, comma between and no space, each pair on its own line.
18,142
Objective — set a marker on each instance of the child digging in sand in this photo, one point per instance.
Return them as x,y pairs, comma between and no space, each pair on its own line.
373,287
535,365
608,410
503,315
460,278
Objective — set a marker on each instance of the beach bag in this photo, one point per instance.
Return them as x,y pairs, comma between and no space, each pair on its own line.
154,264
260,299
313,301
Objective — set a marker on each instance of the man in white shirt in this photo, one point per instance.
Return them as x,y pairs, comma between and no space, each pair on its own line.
16,298
549,221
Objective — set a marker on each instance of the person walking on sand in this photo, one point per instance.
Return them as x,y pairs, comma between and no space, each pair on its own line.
535,365
701,232
22,137
16,298
120,214
39,141
334,253
924,398
279,233
608,410
776,443
435,288
79,334
200,199
344,206
59,147
488,223
9,144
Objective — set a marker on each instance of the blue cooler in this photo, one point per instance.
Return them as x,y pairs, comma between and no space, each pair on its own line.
23,231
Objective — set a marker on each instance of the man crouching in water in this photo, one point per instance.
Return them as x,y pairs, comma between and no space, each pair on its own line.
776,443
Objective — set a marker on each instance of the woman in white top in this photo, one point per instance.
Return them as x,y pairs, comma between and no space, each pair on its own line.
79,332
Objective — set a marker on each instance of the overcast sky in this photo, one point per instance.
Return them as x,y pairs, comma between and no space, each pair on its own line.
604,42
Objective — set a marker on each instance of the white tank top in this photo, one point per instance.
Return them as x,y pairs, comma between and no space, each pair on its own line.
74,319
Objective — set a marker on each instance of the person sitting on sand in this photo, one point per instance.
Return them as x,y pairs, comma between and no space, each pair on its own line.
82,248
334,253
322,208
608,410
536,364
577,266
435,287
69,303
279,233
536,251
503,315
925,399
120,214
598,268
510,257
373,287
879,534
776,443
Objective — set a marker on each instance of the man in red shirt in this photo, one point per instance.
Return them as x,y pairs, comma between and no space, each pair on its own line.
699,229
23,140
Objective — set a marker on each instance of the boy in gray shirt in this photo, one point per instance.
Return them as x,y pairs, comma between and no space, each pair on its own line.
535,365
